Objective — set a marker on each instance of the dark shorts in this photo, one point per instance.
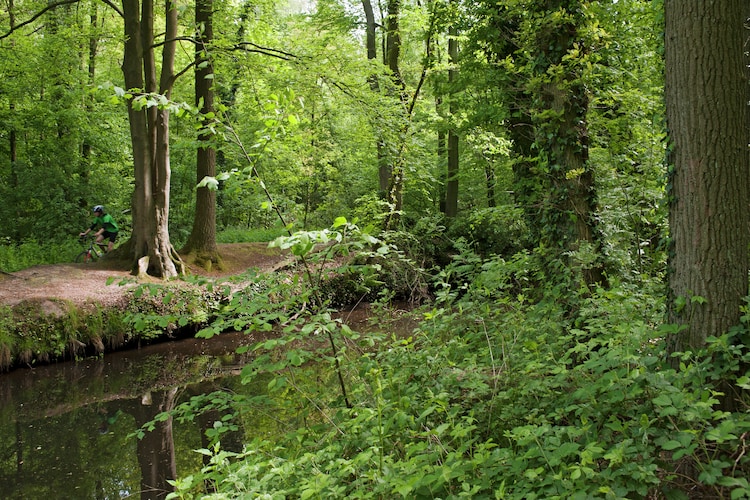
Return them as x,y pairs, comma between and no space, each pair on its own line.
109,236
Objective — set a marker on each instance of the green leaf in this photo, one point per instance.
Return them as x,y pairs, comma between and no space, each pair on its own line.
208,182
671,445
662,400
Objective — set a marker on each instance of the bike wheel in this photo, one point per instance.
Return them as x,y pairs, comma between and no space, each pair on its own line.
83,257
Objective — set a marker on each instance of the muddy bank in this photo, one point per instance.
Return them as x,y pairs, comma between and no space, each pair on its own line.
68,311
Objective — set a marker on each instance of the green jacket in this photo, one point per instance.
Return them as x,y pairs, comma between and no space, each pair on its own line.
107,222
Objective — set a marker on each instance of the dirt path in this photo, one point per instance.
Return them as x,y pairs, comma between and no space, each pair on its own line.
84,283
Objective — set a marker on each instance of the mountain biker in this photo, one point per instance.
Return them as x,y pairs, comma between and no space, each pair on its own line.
108,228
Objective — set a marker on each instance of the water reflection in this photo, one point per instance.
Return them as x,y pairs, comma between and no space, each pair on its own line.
64,428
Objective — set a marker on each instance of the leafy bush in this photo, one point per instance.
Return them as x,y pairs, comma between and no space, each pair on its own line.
494,395
14,257
492,231
158,309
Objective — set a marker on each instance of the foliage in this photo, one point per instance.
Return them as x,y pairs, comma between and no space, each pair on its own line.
240,235
519,382
158,309
496,230
492,396
14,257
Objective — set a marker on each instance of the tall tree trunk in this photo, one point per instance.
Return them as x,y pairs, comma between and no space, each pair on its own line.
12,141
559,115
384,168
149,130
92,48
451,188
392,54
132,68
707,118
202,240
442,157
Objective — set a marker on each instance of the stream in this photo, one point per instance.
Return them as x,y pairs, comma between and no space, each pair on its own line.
64,428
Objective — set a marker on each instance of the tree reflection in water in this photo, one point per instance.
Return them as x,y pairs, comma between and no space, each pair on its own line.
64,428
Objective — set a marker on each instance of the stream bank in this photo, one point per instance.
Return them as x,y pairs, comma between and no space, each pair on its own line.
53,313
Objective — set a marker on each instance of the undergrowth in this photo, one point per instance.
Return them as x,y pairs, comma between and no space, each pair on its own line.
14,257
501,392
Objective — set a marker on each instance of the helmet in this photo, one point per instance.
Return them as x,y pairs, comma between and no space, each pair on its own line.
98,208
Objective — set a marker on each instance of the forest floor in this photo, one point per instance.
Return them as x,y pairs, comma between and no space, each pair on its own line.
88,283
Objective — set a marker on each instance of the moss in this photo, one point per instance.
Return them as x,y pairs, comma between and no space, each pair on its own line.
42,331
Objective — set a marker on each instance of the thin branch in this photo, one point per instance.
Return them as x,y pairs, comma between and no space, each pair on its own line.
264,50
243,46
182,71
114,7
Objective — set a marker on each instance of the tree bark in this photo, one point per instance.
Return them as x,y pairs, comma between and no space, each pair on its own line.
707,119
395,167
384,168
202,240
451,188
559,108
150,245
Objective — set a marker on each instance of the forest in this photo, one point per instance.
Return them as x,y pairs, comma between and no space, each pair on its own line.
557,190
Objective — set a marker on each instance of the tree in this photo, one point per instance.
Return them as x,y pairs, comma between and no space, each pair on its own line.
707,119
384,170
545,47
202,240
395,169
150,245
451,184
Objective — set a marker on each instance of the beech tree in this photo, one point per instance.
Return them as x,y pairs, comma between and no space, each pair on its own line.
150,245
707,119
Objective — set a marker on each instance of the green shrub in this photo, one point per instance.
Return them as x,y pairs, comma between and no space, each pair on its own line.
494,395
492,231
14,257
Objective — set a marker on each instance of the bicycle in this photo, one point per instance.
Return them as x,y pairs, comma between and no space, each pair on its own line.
94,252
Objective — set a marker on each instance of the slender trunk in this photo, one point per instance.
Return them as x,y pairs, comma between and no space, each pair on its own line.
132,68
451,188
394,194
384,169
12,140
202,240
442,158
489,178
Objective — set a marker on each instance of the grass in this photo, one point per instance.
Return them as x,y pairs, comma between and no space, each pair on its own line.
249,235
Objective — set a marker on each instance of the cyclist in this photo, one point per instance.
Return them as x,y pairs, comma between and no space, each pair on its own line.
108,228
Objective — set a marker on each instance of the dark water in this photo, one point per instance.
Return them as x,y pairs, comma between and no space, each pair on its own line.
64,428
